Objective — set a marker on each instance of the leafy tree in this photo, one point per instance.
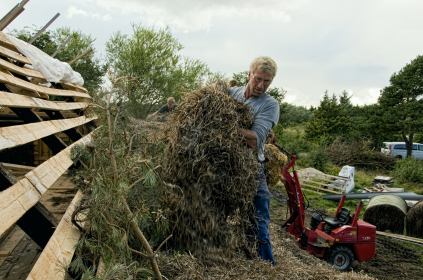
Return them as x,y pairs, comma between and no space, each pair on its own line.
89,66
152,57
241,77
291,114
401,103
330,120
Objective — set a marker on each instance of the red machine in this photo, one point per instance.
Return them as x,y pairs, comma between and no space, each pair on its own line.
339,239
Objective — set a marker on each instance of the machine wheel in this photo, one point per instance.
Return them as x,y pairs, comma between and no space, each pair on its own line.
342,258
399,157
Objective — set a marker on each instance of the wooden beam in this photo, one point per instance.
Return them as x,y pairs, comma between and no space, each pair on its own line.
17,135
36,221
71,132
14,81
5,42
43,29
16,200
402,237
52,141
321,189
21,70
80,56
59,251
323,184
18,167
12,14
62,46
11,100
13,55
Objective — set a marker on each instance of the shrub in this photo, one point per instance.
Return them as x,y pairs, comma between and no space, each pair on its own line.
318,158
408,170
358,153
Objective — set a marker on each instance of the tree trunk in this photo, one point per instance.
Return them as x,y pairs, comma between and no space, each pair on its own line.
408,143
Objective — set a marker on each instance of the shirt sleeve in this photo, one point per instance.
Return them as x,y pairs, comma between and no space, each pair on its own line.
164,109
264,122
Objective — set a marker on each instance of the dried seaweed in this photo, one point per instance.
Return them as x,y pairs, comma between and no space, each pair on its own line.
272,168
210,172
415,221
291,263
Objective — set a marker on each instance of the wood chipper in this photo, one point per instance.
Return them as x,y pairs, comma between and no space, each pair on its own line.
340,239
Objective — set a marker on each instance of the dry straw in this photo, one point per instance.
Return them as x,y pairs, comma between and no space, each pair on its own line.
272,168
415,220
210,173
386,212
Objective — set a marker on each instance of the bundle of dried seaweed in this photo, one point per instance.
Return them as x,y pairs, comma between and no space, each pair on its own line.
415,220
272,168
292,262
211,172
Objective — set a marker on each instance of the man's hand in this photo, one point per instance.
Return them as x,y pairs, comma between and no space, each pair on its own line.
250,137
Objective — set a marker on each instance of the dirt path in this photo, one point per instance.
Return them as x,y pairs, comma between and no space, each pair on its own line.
392,260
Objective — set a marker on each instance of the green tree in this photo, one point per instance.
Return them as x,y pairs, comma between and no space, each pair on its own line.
89,66
153,58
330,120
291,114
401,103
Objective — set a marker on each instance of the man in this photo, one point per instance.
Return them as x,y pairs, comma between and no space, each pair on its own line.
266,115
168,107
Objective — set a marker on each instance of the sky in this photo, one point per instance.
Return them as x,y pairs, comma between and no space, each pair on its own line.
318,45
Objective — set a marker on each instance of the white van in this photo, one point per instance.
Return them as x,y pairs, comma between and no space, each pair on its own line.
398,149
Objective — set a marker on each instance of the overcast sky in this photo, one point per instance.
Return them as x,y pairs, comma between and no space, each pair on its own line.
318,45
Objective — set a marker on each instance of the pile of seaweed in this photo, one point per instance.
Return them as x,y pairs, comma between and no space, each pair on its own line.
210,173
415,220
272,168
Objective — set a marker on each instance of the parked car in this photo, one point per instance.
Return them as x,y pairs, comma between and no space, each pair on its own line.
398,149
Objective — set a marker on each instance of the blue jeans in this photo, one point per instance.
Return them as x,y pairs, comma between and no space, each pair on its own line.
262,219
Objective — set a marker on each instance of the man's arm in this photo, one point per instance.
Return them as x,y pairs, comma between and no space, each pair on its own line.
250,137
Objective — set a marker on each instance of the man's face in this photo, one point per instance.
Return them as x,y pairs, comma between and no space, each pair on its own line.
259,81
170,105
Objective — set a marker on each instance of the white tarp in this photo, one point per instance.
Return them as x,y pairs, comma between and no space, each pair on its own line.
53,69
347,172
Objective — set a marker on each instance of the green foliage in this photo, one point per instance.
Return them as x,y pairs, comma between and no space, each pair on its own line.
408,170
401,103
291,115
318,158
241,77
291,139
153,58
330,119
89,66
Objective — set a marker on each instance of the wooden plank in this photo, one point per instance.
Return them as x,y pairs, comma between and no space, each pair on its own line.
5,42
318,188
14,237
17,135
18,167
73,86
19,198
14,55
59,251
323,184
21,70
14,81
11,100
402,237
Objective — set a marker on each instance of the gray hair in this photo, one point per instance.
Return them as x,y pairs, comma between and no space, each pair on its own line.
265,64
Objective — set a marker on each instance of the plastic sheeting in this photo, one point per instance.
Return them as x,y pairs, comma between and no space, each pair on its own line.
53,69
